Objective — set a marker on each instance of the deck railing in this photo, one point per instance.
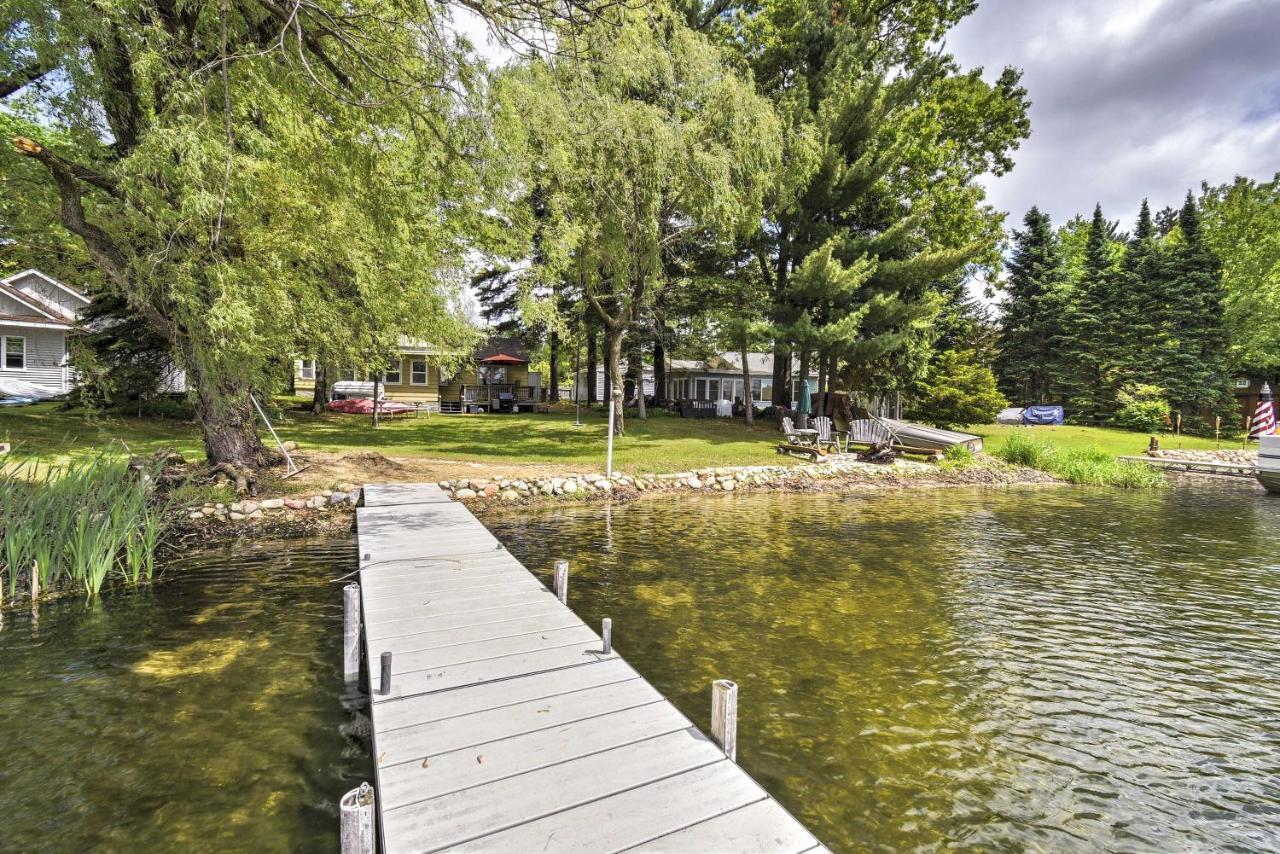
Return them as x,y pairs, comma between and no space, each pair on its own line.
487,395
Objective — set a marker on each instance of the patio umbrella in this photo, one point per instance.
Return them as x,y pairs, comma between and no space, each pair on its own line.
804,405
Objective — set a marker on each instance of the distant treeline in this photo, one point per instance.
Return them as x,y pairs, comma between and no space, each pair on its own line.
1135,328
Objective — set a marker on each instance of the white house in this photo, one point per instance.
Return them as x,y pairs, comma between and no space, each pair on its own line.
38,314
720,378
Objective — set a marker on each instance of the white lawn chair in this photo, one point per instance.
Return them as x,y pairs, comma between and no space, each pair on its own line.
825,436
789,430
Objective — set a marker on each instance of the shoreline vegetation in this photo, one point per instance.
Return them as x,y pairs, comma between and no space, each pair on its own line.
1090,466
79,526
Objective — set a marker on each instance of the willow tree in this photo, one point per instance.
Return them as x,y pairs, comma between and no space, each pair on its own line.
641,133
256,178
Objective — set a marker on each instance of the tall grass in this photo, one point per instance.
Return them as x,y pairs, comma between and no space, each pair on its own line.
78,525
1092,466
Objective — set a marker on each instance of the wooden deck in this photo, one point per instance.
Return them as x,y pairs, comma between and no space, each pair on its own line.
507,728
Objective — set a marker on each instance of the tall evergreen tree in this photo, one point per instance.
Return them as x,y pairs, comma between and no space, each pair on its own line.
1088,379
1135,315
1193,340
1031,327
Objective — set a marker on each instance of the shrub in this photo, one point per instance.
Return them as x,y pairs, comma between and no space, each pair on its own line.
1143,407
958,390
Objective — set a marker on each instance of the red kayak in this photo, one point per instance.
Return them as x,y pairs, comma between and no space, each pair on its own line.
364,406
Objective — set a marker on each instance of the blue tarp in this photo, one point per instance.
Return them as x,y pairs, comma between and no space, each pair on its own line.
1043,415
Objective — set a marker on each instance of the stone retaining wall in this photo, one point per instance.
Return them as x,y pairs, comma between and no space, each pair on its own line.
726,479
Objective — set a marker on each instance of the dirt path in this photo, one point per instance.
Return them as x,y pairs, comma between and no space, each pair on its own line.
326,469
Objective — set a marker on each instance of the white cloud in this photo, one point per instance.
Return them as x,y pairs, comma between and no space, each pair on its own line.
1132,100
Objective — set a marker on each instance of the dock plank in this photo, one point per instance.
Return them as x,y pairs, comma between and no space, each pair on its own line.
472,813
465,767
762,827
414,743
507,728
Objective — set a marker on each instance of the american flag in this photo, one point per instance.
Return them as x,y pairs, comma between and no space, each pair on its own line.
1264,415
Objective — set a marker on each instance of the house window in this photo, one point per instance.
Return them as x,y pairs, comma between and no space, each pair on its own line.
418,372
392,376
766,391
307,369
756,385
347,375
713,389
15,353
493,374
1242,383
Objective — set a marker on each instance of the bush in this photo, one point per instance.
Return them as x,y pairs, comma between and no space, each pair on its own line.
1143,407
959,390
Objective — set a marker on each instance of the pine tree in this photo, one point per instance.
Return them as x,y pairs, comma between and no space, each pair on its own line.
1193,340
1136,316
1031,327
1090,361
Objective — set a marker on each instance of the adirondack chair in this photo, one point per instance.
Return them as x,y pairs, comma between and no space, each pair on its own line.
789,430
826,438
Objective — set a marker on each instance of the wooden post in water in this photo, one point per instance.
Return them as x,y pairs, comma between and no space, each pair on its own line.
356,814
724,716
351,632
35,580
384,684
606,633
562,581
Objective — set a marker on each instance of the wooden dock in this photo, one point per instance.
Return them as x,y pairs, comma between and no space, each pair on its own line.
1201,466
507,728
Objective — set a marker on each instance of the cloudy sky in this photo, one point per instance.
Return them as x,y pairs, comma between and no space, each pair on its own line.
1132,98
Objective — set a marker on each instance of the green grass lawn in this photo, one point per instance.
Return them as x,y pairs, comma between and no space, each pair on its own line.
662,443
1070,437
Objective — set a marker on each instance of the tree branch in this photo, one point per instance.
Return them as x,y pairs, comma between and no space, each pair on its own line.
24,76
106,255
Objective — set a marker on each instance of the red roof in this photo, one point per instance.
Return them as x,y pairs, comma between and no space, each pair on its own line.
503,359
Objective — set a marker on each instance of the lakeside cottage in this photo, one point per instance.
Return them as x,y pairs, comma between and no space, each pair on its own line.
38,316
718,377
498,380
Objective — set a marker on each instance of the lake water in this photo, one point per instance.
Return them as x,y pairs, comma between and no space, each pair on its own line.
1055,669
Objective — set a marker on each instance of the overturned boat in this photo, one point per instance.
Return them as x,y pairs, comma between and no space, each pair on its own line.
912,438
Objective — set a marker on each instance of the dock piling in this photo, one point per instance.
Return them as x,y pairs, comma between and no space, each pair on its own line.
351,632
562,581
384,684
606,633
724,716
35,580
356,816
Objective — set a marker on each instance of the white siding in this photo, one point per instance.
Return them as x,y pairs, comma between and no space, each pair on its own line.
45,349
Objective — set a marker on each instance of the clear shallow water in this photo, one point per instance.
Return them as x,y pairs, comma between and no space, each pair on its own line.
204,714
1060,670
1047,669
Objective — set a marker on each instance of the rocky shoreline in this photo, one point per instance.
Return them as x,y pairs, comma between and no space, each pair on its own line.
331,512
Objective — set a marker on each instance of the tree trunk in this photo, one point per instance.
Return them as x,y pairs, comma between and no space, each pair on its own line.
637,367
320,394
226,420
659,374
781,374
614,377
822,379
592,367
554,390
747,398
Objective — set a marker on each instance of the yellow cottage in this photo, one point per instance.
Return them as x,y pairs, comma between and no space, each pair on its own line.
497,380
